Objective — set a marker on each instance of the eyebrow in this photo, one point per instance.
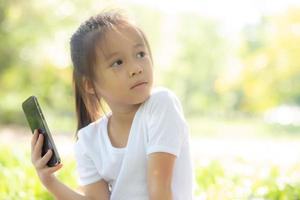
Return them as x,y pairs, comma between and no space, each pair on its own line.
138,45
116,53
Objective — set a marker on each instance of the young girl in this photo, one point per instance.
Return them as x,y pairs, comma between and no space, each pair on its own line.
140,149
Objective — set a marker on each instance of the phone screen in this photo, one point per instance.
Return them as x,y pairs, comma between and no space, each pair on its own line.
36,120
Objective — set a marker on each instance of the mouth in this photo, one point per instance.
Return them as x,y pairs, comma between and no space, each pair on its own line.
138,84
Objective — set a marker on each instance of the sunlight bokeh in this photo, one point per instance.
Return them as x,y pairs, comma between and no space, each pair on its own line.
234,65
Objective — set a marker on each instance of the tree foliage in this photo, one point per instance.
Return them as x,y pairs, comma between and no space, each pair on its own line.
270,55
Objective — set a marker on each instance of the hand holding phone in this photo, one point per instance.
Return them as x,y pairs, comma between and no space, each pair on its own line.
44,172
37,122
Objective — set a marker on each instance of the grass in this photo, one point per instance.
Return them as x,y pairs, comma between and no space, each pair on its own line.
269,182
19,179
215,179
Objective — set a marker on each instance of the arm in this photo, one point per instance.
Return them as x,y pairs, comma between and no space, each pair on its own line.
94,191
159,175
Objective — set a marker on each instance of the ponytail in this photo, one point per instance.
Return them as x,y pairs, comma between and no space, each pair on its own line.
83,117
88,106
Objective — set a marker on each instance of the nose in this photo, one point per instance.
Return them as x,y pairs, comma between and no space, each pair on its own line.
135,69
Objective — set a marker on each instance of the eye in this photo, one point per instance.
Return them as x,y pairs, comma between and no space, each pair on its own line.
117,63
141,54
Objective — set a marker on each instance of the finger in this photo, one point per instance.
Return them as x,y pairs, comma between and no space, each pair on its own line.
37,150
51,170
34,139
45,158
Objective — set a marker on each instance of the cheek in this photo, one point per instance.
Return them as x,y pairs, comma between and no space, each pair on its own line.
147,63
102,84
150,70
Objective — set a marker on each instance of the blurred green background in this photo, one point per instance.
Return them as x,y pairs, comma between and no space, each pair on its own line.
234,65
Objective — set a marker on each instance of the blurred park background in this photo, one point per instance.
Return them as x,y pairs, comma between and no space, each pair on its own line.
235,66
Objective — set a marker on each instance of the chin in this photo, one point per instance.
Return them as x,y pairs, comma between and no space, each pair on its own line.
142,98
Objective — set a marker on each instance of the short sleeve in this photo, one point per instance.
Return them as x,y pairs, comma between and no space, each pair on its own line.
85,166
167,127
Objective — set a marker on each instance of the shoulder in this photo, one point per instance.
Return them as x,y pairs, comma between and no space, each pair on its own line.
161,93
87,135
162,98
87,131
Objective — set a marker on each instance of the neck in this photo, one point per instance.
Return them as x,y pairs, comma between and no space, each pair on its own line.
123,115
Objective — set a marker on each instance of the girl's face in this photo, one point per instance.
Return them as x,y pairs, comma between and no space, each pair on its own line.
123,67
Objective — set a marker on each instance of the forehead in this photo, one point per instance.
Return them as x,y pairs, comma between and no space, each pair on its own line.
118,40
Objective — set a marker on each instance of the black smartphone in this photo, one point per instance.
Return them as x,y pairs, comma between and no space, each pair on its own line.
36,120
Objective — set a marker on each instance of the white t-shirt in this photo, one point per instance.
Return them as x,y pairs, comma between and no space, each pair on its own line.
158,126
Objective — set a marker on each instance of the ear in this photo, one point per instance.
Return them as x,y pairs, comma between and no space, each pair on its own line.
88,87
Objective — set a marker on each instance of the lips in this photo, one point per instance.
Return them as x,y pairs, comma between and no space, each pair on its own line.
138,83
